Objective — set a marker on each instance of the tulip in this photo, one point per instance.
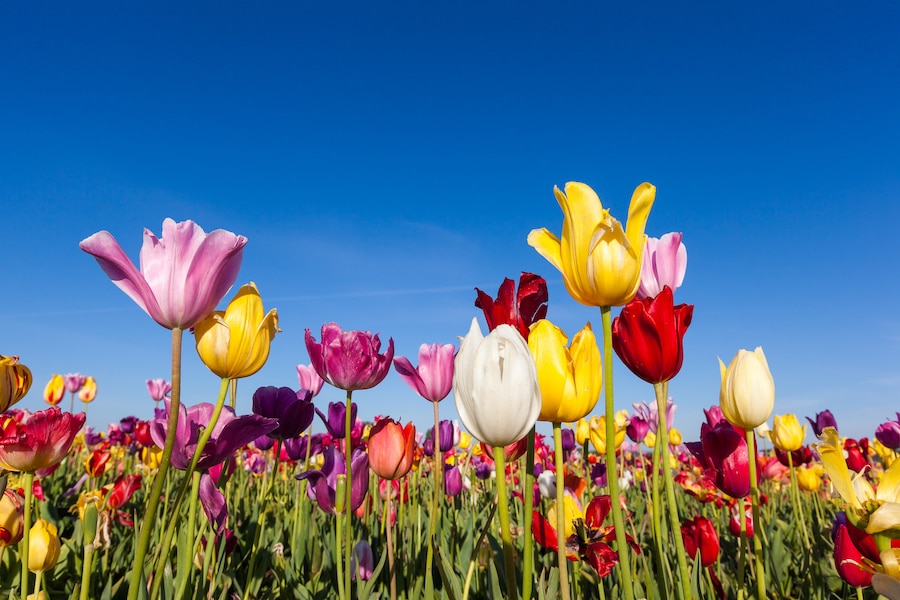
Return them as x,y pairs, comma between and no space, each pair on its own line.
349,360
520,309
495,385
599,260
294,410
569,377
664,264
43,547
12,517
158,389
823,419
700,535
572,510
547,484
335,421
309,379
722,453
391,448
39,441
810,479
747,395
183,274
855,552
889,434
647,336
323,483
637,429
800,456
453,481
362,562
433,378
598,430
88,391
511,453
582,432
73,382
650,413
15,381
54,390
787,434
857,453
445,437
234,343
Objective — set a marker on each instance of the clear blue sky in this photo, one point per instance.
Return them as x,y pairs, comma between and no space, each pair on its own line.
386,158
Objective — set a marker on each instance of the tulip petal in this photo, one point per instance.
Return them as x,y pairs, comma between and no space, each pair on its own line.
547,245
831,453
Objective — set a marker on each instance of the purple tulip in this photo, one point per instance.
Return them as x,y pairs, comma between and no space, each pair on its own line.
335,421
650,413
127,424
92,438
568,440
349,360
453,483
264,442
309,379
823,419
433,378
158,389
665,261
293,410
483,470
323,484
889,434
446,434
183,276
73,382
363,557
637,429
296,447
598,474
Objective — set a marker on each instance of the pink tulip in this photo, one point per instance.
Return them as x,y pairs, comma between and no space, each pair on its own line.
73,382
39,440
309,379
349,360
433,378
183,275
158,388
665,261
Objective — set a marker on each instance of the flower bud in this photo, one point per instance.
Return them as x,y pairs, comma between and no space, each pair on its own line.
747,395
787,434
15,381
12,520
43,547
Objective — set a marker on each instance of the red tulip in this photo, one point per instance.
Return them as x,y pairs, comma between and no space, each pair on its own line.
647,336
518,309
700,535
39,441
511,453
391,448
723,454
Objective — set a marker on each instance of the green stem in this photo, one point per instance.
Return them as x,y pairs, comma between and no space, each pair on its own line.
611,472
503,513
662,440
338,523
86,572
438,468
348,502
528,492
390,548
143,544
757,524
28,485
742,556
561,560
795,493
185,562
261,521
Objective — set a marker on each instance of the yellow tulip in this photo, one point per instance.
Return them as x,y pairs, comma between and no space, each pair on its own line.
747,395
599,260
12,517
15,381
234,343
787,434
598,430
43,546
886,454
88,391
573,513
569,377
55,390
675,437
151,457
582,432
809,479
650,439
465,440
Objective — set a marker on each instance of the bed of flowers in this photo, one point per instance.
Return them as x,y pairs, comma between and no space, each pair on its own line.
201,502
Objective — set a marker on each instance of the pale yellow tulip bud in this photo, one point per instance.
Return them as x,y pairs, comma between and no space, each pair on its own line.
747,395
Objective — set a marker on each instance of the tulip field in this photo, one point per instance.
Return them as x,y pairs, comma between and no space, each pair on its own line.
301,499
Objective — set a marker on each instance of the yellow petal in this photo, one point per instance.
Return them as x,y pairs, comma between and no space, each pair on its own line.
831,453
886,516
547,245
889,486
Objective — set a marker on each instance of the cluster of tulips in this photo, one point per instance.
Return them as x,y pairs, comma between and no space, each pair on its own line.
199,501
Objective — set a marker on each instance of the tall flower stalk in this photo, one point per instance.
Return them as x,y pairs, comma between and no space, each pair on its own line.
757,523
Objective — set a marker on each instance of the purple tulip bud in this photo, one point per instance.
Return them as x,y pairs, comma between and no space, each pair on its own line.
598,474
823,419
568,440
889,434
334,422
637,429
453,482
158,389
293,410
264,442
73,382
483,471
363,557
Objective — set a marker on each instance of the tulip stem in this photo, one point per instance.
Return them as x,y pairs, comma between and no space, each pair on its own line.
662,440
742,560
503,513
795,493
348,502
560,525
611,471
143,544
757,525
261,520
27,484
436,503
528,493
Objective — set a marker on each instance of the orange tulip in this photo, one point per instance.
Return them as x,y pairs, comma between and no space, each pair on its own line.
391,448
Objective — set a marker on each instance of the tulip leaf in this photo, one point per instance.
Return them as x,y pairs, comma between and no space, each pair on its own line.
364,591
448,577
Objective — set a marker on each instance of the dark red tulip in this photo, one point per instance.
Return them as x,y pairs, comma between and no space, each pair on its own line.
647,336
700,535
851,545
723,454
519,309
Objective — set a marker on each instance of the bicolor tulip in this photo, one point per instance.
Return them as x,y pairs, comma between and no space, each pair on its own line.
183,274
392,448
519,308
15,381
54,390
569,376
88,391
234,343
495,385
12,517
323,483
823,419
787,434
722,453
293,410
39,441
699,535
43,546
309,379
665,261
747,395
432,379
600,261
647,336
349,360
158,389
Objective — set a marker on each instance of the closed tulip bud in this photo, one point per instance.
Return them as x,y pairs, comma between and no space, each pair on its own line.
810,479
787,434
55,390
582,431
391,448
12,517
234,343
88,391
15,381
362,561
569,377
700,535
675,437
665,261
43,547
747,395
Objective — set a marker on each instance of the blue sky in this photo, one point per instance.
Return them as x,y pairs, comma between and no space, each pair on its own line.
384,159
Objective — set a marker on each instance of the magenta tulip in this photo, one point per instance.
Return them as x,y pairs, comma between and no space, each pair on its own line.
183,275
665,261
433,378
73,382
158,389
38,440
723,454
349,360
